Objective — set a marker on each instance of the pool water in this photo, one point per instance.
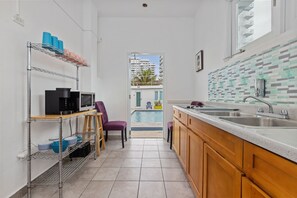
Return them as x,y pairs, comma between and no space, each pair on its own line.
147,116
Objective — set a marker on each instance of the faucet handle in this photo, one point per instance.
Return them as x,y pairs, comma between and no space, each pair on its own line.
284,112
260,110
257,92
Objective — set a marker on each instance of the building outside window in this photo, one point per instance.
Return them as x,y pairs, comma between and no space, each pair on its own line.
254,20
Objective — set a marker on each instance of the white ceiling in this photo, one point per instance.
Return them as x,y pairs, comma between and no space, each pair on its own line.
156,8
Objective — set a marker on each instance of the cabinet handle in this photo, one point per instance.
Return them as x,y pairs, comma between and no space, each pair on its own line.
179,115
190,121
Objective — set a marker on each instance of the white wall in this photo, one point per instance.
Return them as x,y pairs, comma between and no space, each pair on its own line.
90,23
63,18
171,37
291,14
210,36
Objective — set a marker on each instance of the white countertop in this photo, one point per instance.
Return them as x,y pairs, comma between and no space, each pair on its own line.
282,141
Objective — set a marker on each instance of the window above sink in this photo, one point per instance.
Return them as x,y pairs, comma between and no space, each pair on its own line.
254,20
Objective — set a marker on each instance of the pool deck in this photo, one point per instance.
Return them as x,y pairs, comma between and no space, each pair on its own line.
141,109
146,124
147,134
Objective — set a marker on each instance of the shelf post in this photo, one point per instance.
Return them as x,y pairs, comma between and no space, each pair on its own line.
60,158
29,119
77,79
77,88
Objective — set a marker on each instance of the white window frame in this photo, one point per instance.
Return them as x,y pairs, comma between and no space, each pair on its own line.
278,27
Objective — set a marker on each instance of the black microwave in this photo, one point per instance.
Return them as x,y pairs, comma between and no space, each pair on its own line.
82,101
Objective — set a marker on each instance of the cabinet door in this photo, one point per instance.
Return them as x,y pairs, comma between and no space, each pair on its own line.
250,190
272,173
183,135
195,162
175,136
220,177
228,145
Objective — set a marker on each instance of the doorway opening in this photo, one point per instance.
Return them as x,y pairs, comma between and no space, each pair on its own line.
146,95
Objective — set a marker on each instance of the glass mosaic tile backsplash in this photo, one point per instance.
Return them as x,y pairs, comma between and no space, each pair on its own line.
278,66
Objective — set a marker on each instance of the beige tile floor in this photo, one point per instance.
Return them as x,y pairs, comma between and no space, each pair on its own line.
145,168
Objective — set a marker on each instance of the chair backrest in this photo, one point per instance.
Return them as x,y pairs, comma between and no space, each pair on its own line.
99,105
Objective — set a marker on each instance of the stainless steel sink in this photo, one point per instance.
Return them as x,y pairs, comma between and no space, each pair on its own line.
261,122
206,108
224,113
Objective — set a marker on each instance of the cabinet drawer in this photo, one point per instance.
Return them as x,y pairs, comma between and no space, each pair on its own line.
175,113
181,116
272,173
229,146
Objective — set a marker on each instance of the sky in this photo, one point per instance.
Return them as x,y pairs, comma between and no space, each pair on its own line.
155,59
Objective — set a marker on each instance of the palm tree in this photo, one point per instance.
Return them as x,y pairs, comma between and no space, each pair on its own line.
144,77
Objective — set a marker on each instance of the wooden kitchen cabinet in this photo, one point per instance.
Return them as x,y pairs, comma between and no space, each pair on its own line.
175,136
228,145
180,133
183,136
175,113
222,165
221,179
181,116
250,190
273,174
195,162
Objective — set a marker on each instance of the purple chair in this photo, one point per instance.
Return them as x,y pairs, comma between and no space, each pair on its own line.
111,125
197,104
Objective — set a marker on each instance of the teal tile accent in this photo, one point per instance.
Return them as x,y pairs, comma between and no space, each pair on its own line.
278,66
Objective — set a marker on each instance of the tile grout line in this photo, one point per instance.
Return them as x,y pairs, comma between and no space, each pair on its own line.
141,167
113,182
158,146
97,158
140,171
116,175
162,174
85,188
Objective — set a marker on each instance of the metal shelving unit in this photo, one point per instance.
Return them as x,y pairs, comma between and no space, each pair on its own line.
51,155
64,168
70,166
38,47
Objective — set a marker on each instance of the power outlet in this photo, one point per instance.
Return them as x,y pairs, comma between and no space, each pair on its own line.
17,19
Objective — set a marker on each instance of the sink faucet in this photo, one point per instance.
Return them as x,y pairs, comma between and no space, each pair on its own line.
260,100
